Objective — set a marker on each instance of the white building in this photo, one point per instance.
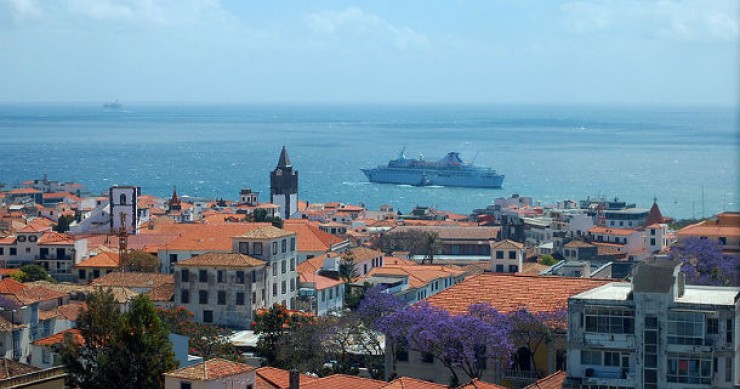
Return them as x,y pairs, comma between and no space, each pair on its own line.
214,373
507,256
654,333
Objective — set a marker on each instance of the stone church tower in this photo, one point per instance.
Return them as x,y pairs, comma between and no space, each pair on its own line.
284,186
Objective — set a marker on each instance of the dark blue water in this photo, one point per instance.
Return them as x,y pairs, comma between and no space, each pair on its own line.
550,153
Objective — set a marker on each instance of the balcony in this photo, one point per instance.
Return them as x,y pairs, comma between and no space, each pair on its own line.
518,376
607,376
610,341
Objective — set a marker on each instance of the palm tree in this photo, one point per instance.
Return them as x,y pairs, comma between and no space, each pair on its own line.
347,270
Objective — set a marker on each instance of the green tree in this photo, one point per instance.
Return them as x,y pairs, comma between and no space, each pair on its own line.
260,215
430,245
63,223
347,268
142,261
120,350
205,340
273,324
548,260
32,273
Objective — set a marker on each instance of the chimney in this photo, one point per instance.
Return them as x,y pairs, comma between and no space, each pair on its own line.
294,379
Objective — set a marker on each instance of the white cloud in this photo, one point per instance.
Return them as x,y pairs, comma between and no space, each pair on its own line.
689,20
356,24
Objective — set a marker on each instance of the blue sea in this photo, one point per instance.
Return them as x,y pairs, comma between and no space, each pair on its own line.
686,157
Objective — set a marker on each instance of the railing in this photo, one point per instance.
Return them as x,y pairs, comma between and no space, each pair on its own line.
35,377
518,375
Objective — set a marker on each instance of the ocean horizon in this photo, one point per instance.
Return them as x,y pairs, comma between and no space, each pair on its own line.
686,157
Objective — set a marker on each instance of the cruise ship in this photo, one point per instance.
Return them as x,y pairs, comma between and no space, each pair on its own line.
448,171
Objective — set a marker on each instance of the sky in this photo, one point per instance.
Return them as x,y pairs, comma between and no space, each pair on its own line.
383,51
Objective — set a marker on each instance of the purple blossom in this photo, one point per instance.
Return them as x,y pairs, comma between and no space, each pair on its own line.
705,264
377,304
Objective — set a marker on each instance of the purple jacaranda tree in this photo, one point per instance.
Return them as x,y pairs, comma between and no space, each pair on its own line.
535,329
470,342
705,264
378,303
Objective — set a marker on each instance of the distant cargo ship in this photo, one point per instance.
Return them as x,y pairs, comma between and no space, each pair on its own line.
449,171
113,106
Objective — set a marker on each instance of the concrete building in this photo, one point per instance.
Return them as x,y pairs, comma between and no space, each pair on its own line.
277,248
507,256
222,289
724,228
654,333
214,373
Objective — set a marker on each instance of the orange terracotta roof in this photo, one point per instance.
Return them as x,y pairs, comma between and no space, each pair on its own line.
10,368
576,243
419,275
271,377
320,281
266,232
133,279
55,238
211,237
342,381
611,231
412,383
23,191
221,261
553,381
725,225
309,237
398,261
162,293
10,286
105,260
7,240
364,254
507,293
507,245
59,337
478,384
210,370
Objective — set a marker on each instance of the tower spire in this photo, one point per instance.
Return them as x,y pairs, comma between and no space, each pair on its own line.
284,161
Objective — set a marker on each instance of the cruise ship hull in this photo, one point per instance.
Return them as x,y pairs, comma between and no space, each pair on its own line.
430,177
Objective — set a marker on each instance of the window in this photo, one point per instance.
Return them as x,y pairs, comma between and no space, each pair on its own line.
13,251
274,269
292,264
203,297
207,316
513,268
221,297
185,296
610,320
292,284
2,250
81,274
254,275
282,287
611,358
723,240
728,369
284,245
402,351
292,244
186,385
283,267
331,294
96,273
202,276
274,248
244,247
652,241
122,199
45,356
652,231
274,289
685,328
323,295
427,358
239,277
512,254
728,331
499,254
589,357
257,248
239,298
499,268
220,276
691,368
712,326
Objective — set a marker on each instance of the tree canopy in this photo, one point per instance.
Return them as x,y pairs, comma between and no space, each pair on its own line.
705,264
120,350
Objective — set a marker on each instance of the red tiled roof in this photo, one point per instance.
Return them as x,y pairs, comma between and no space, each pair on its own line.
103,260
342,381
133,279
10,368
507,293
553,381
59,338
478,384
210,370
222,260
320,281
55,238
10,286
419,275
360,254
507,244
309,237
412,383
725,225
271,377
611,231
164,292
654,216
211,237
